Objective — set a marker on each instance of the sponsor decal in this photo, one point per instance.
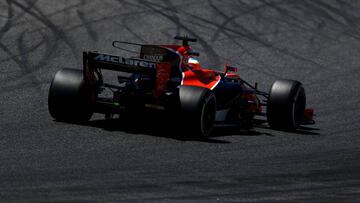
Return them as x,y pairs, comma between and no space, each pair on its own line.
124,61
156,58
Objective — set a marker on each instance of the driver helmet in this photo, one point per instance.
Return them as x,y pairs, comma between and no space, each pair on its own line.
193,63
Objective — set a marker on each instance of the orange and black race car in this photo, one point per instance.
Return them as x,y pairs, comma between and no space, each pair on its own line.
170,78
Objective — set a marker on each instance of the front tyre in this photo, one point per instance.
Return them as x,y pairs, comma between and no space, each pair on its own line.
286,104
69,97
198,107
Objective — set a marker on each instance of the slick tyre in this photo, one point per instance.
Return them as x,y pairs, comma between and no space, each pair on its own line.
69,98
198,108
286,104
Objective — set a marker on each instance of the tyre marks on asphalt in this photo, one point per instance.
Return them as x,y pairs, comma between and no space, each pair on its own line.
36,35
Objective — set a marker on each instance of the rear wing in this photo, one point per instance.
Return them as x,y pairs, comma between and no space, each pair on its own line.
117,63
92,62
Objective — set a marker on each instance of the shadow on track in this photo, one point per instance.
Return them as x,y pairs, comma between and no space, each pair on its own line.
302,130
155,127
166,125
168,128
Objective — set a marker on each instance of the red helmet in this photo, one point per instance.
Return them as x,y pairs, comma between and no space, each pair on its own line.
182,51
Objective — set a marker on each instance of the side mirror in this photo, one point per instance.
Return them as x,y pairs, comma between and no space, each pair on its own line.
229,69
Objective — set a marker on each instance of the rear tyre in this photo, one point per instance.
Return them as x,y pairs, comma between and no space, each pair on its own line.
69,97
198,107
286,104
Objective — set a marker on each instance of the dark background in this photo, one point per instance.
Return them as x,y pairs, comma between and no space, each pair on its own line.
316,42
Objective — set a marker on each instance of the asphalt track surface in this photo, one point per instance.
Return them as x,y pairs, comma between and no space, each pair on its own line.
316,42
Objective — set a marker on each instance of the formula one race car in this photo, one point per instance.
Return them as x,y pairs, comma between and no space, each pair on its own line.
170,78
